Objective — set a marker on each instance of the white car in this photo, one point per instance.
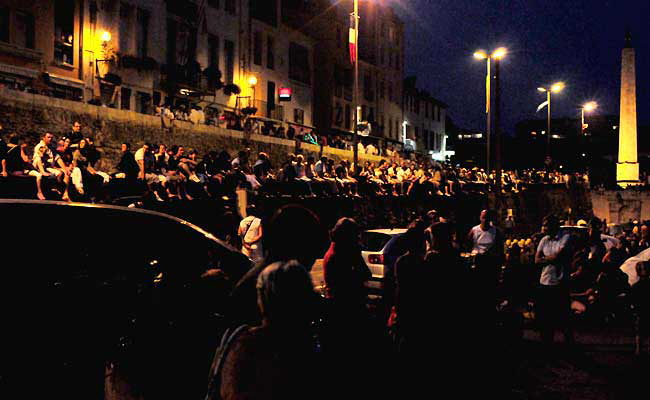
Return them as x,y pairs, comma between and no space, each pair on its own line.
379,249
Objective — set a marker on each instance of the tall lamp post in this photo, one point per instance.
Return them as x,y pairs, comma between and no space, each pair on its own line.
589,107
354,41
555,88
496,55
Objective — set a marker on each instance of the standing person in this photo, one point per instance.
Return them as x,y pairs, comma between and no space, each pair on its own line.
344,269
250,232
285,238
277,358
484,237
553,302
411,303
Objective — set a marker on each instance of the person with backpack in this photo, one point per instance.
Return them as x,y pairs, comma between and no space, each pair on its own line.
250,232
277,359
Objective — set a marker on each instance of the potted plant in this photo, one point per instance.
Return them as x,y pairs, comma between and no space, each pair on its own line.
231,89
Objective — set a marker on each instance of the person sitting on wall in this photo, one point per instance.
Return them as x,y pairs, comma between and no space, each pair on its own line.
49,164
145,160
19,164
127,167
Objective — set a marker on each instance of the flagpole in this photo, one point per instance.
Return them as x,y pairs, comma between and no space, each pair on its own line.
488,135
355,95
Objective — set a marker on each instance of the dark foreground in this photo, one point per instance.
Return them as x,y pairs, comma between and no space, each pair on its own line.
603,366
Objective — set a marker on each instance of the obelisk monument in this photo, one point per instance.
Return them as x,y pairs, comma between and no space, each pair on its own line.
627,168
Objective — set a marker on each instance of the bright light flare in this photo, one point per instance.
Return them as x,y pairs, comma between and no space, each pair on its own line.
557,87
106,36
252,80
541,89
499,53
480,55
590,106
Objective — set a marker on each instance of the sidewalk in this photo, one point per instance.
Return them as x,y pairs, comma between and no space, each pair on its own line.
602,367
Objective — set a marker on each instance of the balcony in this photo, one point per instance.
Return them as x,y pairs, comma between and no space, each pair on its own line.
266,110
184,78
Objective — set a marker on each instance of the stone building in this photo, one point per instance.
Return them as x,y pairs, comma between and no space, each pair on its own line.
281,58
381,66
424,122
43,46
136,54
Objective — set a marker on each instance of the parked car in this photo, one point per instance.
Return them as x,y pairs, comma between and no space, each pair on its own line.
380,249
97,299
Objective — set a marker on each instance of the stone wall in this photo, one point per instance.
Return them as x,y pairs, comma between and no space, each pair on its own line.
31,115
621,206
529,206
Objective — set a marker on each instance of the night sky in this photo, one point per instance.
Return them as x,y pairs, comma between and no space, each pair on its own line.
576,41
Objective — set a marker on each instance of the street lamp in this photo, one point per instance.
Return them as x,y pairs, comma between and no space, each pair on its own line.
496,55
252,81
106,37
588,107
555,88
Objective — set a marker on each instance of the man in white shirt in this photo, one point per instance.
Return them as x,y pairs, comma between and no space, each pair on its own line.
250,231
553,303
483,236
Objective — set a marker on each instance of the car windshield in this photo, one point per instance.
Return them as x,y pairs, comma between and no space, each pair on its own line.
374,241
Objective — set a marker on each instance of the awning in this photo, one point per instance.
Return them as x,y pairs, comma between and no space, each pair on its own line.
65,81
274,121
301,125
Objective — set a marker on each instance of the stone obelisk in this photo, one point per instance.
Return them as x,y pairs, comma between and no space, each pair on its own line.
627,168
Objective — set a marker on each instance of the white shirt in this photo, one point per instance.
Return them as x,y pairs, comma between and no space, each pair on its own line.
49,159
482,240
250,227
551,247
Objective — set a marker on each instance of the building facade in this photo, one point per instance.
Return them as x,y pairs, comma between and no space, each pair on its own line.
281,59
381,66
138,54
424,128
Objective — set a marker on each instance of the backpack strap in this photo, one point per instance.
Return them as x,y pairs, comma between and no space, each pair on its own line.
214,378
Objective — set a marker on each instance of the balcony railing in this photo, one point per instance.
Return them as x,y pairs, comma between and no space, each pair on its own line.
267,110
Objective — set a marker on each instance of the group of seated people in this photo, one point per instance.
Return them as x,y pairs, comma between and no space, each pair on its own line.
69,162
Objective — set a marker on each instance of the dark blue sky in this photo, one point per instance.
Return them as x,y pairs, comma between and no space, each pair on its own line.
576,41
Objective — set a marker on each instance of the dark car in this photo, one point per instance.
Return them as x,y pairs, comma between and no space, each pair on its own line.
104,301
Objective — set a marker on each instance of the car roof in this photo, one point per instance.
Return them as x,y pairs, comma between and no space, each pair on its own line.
203,232
396,231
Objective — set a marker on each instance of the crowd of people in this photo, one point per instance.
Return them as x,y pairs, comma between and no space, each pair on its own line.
575,276
284,338
69,164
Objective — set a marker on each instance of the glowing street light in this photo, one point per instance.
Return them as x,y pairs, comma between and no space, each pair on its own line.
588,107
252,80
555,88
106,36
497,55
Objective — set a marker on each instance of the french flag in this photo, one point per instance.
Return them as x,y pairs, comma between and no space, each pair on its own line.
353,40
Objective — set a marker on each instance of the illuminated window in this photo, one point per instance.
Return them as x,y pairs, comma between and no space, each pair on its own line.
64,32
